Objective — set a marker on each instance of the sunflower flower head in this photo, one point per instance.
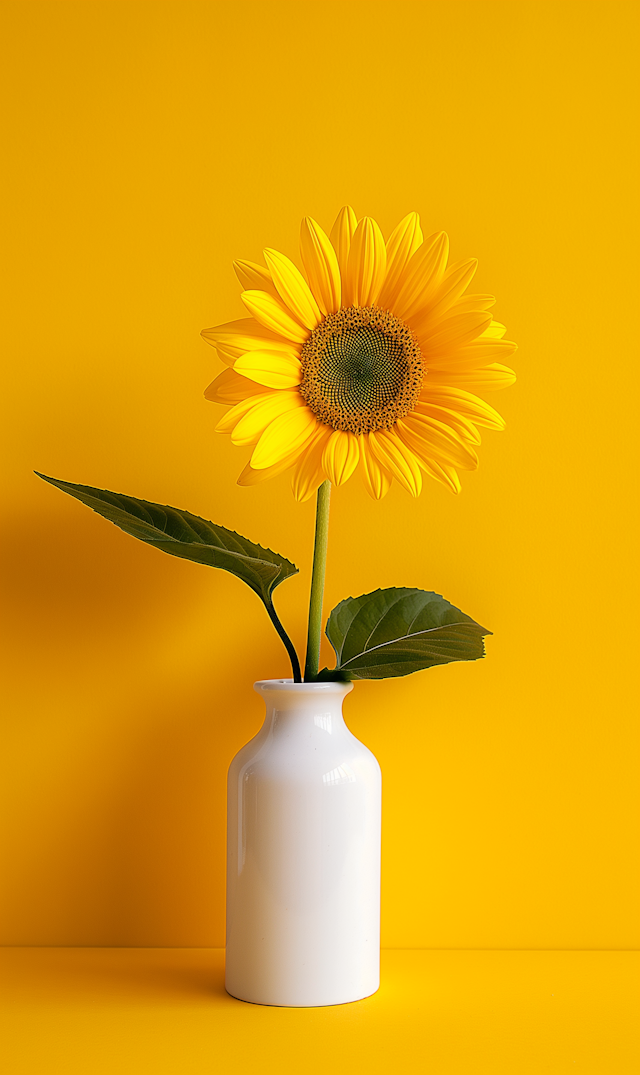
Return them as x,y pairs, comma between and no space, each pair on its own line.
371,362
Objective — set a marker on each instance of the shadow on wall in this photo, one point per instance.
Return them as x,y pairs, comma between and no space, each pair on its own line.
71,578
151,975
121,742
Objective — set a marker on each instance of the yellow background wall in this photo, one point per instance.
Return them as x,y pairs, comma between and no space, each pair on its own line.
152,143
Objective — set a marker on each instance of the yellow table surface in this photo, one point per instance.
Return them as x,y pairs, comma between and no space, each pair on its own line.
164,1010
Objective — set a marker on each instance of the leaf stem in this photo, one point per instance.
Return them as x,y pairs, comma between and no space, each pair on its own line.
317,582
293,656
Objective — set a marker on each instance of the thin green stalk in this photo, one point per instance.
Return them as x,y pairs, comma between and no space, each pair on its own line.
317,583
293,656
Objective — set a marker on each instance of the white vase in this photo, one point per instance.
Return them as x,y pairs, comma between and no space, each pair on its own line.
303,854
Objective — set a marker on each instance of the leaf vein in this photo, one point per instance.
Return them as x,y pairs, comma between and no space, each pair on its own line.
403,638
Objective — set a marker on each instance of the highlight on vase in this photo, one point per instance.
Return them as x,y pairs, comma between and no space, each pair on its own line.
372,362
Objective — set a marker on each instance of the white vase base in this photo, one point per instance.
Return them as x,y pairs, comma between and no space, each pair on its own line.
299,1004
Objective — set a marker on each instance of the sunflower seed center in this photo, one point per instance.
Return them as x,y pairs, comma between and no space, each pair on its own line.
362,370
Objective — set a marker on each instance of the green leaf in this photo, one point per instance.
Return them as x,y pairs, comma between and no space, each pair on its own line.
331,675
182,534
398,631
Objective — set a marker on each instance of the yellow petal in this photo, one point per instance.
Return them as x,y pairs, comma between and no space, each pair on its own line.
254,277
271,313
293,289
422,276
431,438
463,403
484,379
309,472
341,456
442,472
376,477
276,369
495,331
249,476
229,421
247,420
436,468
243,326
367,265
394,454
341,236
460,425
321,266
286,434
402,245
235,337
454,282
471,355
229,387
473,302
453,332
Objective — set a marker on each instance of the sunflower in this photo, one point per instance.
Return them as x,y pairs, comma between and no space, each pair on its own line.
370,363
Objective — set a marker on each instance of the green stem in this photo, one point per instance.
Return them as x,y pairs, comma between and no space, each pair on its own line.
317,583
293,656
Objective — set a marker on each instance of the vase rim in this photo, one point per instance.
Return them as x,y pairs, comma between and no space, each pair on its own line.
326,687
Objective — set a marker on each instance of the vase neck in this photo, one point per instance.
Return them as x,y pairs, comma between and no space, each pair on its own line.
294,708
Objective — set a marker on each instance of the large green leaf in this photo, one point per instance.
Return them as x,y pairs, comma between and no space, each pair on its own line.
182,534
398,631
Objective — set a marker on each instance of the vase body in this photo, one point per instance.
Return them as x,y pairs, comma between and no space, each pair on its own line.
303,854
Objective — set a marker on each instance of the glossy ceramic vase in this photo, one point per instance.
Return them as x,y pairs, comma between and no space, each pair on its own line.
303,854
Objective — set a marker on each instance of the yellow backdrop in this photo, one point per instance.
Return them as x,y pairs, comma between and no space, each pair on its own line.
152,143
